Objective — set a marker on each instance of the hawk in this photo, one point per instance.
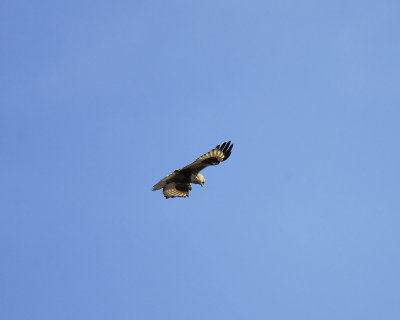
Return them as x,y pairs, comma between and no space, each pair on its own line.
177,184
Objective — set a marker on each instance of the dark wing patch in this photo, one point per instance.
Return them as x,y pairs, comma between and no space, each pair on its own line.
211,161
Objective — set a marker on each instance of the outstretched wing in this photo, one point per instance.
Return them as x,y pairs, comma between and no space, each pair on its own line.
173,189
213,157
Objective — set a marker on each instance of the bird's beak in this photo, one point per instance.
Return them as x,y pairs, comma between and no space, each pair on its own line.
202,184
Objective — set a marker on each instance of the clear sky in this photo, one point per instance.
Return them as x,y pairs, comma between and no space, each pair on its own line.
101,99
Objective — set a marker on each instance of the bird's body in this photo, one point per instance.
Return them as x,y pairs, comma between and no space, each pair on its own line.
177,184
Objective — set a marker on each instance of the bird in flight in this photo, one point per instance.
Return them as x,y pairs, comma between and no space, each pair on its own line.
177,184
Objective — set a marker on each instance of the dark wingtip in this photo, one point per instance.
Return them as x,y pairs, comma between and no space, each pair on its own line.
226,148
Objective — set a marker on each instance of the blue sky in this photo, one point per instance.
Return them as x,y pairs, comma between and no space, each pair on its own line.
102,99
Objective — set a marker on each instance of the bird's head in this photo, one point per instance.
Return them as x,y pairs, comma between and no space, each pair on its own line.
199,179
